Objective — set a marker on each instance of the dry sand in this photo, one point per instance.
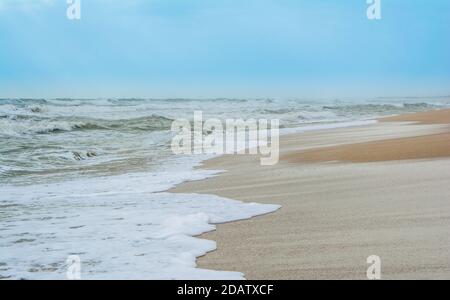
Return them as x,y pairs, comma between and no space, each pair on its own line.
388,194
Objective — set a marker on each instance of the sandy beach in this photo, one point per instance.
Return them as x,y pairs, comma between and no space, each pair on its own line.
346,194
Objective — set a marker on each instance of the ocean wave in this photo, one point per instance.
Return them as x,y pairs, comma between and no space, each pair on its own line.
25,124
419,105
374,108
149,123
279,111
13,126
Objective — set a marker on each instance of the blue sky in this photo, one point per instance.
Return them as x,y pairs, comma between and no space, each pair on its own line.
224,48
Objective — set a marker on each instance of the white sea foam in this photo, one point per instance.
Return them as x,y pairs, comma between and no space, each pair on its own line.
121,227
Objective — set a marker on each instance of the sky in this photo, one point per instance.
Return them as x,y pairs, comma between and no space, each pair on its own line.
224,48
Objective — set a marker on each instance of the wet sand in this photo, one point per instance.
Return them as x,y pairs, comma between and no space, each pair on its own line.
346,194
421,147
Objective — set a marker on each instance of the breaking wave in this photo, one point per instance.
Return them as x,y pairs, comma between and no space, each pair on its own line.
380,109
23,124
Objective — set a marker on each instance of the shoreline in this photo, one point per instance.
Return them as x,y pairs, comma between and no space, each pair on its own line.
295,242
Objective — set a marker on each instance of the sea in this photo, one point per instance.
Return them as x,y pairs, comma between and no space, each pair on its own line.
88,178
